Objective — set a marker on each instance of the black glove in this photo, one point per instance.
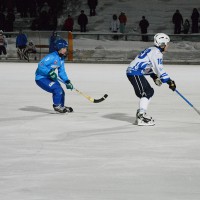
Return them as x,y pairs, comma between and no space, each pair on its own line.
156,80
171,84
52,75
69,85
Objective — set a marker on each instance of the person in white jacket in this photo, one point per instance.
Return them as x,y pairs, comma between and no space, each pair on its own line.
3,44
114,26
149,62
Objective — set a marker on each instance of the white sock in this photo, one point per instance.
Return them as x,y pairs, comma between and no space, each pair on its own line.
143,105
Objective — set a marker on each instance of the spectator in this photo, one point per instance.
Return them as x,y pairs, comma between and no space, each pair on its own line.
2,21
2,5
114,26
92,5
186,26
30,48
144,24
53,22
23,8
21,42
32,8
3,44
122,21
52,41
43,21
177,20
10,18
69,23
82,21
45,8
195,20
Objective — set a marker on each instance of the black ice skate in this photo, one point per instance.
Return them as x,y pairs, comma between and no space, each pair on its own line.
143,120
69,109
60,109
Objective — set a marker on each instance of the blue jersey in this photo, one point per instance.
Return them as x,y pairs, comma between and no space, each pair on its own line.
50,62
21,40
148,62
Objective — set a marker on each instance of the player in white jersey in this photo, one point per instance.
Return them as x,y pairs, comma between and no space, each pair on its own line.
149,62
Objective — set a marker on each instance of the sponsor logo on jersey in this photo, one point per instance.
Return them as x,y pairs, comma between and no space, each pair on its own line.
50,84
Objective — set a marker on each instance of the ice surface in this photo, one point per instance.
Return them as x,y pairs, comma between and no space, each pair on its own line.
96,153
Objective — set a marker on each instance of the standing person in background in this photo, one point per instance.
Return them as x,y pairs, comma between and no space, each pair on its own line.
52,41
149,62
195,21
177,20
3,44
2,21
114,26
122,21
68,25
92,5
46,77
144,24
10,18
82,21
21,42
186,26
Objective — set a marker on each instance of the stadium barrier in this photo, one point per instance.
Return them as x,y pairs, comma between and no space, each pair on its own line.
41,41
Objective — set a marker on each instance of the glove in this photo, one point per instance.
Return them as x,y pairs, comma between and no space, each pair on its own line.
171,84
69,85
156,80
52,75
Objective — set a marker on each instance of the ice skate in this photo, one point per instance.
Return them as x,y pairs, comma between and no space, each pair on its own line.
142,119
60,109
69,109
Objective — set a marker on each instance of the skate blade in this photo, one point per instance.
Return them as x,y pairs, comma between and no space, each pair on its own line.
59,113
141,123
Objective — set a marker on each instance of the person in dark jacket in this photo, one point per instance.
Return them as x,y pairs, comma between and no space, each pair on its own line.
10,18
144,24
82,21
69,23
92,5
2,21
195,20
52,41
177,20
186,26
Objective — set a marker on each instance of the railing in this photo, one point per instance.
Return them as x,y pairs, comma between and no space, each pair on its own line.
41,40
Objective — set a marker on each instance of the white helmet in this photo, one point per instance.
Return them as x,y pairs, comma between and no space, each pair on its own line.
161,39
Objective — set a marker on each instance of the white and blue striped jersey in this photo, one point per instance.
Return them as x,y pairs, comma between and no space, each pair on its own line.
148,62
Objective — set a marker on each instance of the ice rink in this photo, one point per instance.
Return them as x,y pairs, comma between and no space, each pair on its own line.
97,153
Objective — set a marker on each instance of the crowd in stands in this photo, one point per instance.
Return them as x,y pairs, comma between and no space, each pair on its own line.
45,14
177,20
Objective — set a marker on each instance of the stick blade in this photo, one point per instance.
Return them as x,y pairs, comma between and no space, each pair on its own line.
101,99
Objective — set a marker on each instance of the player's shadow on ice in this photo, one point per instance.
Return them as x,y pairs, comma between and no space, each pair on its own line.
36,109
120,117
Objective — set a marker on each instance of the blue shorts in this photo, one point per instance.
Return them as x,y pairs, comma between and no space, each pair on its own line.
53,87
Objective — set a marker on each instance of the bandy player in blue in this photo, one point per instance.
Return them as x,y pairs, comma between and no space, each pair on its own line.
46,76
149,62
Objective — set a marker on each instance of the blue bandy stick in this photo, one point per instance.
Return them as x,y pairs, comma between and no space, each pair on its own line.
187,101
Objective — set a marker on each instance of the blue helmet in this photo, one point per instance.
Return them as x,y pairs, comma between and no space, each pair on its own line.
61,44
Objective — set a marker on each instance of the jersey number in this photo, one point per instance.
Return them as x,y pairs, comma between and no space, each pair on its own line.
160,61
144,53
